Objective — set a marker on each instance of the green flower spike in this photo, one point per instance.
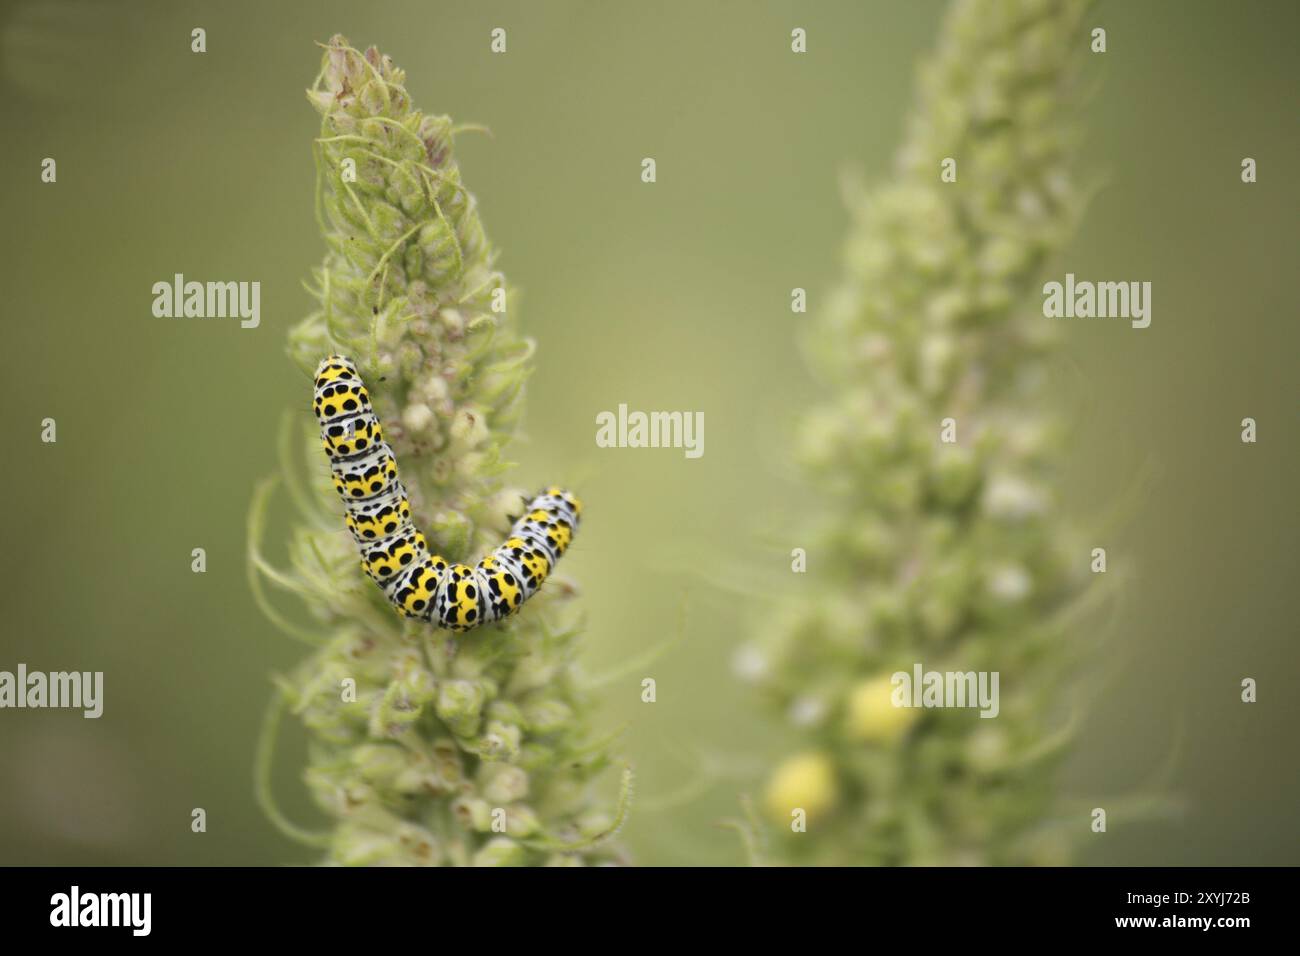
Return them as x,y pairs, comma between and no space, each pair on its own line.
946,554
425,748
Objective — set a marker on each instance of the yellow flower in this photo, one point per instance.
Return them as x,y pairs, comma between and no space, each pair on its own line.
805,781
872,715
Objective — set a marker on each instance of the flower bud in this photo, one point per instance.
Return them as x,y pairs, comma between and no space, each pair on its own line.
460,706
870,714
804,782
500,741
502,783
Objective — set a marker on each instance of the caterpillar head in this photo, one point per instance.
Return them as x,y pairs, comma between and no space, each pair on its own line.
333,368
569,499
560,504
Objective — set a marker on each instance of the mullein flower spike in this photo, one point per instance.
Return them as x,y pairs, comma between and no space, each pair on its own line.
942,550
426,748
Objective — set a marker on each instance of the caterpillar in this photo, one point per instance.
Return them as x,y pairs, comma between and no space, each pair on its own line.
394,554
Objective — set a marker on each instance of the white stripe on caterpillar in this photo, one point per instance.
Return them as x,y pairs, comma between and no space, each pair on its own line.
394,554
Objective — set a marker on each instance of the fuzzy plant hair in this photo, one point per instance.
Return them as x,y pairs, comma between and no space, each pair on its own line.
946,553
425,748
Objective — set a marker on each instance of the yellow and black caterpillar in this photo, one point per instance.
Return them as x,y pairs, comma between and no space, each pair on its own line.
394,554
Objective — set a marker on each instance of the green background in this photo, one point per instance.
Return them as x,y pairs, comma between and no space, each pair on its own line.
670,296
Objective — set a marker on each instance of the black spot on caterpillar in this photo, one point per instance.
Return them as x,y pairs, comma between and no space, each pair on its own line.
394,554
